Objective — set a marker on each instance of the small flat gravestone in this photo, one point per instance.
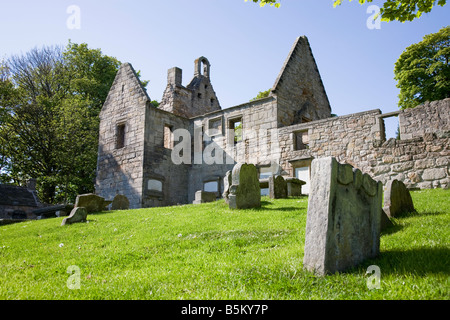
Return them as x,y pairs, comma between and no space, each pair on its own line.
120,202
78,214
91,202
343,219
277,187
397,199
204,197
294,187
245,191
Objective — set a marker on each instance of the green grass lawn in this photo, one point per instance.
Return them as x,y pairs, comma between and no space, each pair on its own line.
210,252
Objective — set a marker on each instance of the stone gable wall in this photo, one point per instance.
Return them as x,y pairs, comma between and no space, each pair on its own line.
299,87
120,170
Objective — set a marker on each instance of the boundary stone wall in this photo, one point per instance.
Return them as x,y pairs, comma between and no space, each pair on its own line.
422,161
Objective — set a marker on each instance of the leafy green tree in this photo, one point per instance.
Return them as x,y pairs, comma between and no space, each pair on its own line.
423,70
405,10
50,99
261,94
262,3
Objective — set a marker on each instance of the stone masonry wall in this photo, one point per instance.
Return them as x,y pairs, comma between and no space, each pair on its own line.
258,119
349,139
420,162
158,164
429,118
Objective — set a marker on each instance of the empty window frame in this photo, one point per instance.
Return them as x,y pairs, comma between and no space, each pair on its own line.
154,185
391,128
120,135
211,186
235,126
168,136
215,127
265,172
301,140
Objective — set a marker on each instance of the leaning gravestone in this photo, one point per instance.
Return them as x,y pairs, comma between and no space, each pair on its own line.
91,202
120,202
78,214
343,221
277,187
245,191
397,199
226,186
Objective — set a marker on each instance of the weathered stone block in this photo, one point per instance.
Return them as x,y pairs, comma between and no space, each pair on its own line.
343,221
277,187
245,191
397,199
433,174
78,214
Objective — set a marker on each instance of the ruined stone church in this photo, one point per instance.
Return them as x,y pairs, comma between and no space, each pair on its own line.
280,134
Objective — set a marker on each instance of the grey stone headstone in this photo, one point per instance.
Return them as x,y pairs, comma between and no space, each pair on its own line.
294,186
204,197
91,202
397,199
343,221
78,214
245,191
120,202
277,187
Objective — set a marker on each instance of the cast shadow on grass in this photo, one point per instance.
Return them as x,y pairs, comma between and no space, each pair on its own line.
265,207
419,214
392,229
419,261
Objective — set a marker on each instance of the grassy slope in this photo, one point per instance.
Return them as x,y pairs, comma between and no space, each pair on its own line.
211,252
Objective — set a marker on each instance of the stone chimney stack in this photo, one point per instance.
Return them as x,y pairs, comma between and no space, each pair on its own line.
175,76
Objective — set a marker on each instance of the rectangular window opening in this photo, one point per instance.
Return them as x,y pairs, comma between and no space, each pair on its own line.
301,140
211,186
391,128
168,136
120,136
215,127
235,126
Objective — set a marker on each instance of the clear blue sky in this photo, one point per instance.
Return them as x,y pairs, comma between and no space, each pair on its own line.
245,44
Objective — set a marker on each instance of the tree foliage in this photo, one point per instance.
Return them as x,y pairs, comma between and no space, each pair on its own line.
423,70
406,10
261,94
50,99
262,3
